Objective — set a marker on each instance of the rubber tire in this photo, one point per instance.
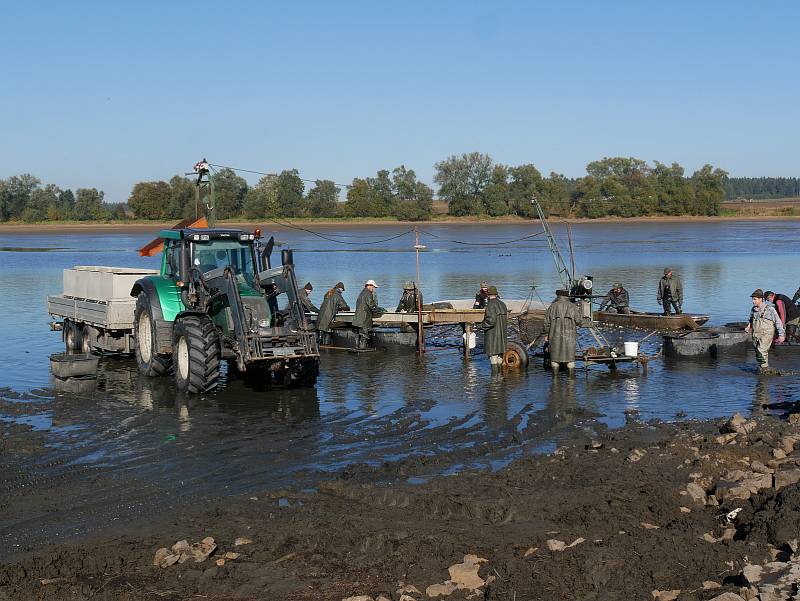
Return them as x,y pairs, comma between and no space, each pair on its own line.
86,346
197,354
73,337
150,362
516,356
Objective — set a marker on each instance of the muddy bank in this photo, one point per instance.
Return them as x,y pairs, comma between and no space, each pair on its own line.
613,514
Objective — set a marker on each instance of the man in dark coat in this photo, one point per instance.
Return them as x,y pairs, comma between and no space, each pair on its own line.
410,302
482,297
670,292
617,298
495,328
561,321
787,311
332,303
308,306
366,308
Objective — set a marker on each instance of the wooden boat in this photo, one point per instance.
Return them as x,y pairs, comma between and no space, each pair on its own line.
651,321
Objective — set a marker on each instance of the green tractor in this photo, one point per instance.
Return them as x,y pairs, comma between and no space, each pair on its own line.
218,297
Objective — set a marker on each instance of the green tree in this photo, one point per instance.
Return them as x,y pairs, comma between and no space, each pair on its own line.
411,200
149,200
497,192
182,200
262,199
363,201
290,191
89,204
709,190
526,182
229,193
462,180
65,207
41,203
322,199
15,195
626,185
674,193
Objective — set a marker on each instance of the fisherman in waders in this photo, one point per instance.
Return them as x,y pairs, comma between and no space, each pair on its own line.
617,299
764,324
561,321
366,308
494,327
331,304
787,311
410,302
670,292
308,306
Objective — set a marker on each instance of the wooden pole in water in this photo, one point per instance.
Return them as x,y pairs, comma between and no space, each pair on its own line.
420,327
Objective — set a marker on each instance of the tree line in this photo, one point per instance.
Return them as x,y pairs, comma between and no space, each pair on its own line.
470,184
762,187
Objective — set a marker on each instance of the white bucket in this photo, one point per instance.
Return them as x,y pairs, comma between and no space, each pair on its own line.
631,349
472,340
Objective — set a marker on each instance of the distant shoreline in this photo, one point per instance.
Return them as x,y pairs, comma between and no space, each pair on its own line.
152,226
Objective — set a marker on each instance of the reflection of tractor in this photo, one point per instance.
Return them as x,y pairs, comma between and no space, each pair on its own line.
217,298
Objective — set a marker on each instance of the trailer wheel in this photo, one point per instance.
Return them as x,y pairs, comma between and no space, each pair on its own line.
197,354
72,337
516,356
144,331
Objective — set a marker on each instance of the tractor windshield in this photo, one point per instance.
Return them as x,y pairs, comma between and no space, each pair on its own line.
221,253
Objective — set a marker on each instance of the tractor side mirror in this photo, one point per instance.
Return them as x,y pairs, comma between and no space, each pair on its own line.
266,263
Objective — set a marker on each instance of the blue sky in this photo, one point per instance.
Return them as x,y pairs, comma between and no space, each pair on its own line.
100,94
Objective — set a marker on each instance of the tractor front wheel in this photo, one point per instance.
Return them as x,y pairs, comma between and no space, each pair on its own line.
144,331
197,354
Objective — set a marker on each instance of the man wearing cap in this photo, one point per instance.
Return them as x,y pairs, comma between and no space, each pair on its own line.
332,303
670,292
366,308
763,325
561,321
410,302
308,306
494,327
482,297
617,298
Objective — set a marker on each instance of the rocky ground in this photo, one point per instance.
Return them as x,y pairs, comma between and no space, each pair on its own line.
686,511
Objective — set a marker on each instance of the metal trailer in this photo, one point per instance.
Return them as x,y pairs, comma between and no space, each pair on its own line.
95,312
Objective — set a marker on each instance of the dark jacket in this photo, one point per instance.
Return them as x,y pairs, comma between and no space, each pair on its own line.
561,321
331,304
615,299
790,310
495,327
481,299
306,302
366,308
670,288
409,300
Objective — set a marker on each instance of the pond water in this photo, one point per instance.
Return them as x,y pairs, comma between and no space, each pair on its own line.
432,414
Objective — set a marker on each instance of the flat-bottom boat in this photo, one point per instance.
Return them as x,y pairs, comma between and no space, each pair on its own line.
652,321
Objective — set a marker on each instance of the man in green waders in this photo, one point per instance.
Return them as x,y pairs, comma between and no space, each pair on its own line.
561,321
366,308
764,324
494,327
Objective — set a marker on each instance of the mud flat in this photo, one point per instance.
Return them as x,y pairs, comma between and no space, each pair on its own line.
687,510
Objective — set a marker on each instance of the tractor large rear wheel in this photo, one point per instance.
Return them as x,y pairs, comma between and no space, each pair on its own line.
197,354
144,330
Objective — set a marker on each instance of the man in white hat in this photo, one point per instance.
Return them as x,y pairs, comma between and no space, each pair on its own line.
366,308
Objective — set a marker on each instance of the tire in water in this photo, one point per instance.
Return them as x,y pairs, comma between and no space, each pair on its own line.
516,356
144,331
197,354
73,337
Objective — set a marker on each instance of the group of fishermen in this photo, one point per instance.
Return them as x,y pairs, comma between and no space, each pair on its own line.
670,295
367,308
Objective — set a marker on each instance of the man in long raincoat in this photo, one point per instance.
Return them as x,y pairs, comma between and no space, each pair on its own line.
366,308
308,306
561,321
495,328
331,304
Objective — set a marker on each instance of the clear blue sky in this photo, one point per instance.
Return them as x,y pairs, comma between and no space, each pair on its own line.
102,94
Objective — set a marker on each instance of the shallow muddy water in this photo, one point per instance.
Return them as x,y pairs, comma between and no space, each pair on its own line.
80,455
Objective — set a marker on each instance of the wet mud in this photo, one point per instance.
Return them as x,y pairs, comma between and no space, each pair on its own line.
631,513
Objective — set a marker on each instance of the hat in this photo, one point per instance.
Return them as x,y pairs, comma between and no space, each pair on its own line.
757,293
562,293
371,283
308,286
484,284
667,270
409,285
492,290
768,293
617,285
339,285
